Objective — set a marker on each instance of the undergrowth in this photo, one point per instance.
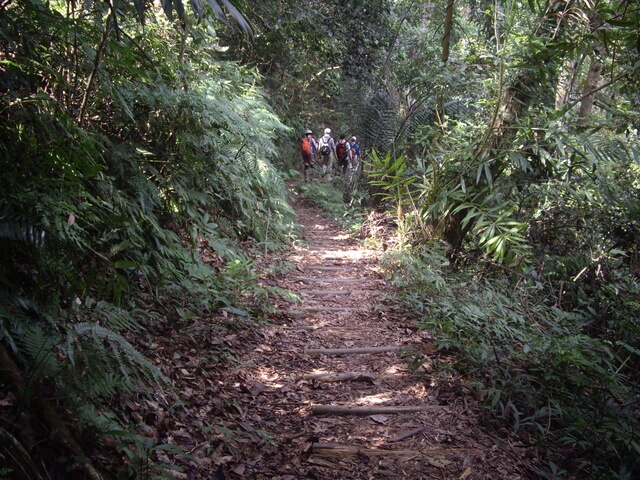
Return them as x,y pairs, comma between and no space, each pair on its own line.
569,393
136,175
332,194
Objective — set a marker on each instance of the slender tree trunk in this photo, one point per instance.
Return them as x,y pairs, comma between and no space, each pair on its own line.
444,57
566,82
593,77
94,72
590,86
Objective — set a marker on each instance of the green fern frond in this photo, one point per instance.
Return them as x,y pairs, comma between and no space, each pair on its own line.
38,345
16,225
380,121
115,352
226,226
112,316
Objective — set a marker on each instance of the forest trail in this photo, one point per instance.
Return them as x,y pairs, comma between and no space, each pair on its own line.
332,383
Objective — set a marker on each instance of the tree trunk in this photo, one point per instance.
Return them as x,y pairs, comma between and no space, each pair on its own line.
444,58
593,76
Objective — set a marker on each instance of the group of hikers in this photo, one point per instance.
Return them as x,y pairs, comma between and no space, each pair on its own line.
340,156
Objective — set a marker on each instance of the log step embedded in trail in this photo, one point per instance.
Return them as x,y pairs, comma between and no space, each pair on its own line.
352,351
333,309
330,280
341,377
343,451
338,450
336,292
372,410
323,268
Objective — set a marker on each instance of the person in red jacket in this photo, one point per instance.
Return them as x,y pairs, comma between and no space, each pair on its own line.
343,154
308,148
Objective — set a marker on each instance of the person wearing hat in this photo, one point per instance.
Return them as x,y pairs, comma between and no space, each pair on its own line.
308,148
327,149
355,152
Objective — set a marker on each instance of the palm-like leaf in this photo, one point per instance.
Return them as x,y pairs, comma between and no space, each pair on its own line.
222,9
234,10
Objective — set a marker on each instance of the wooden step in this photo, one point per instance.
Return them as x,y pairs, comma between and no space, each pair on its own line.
331,280
323,268
320,293
373,409
352,351
434,455
321,309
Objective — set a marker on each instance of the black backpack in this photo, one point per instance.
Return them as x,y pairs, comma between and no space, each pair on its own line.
324,147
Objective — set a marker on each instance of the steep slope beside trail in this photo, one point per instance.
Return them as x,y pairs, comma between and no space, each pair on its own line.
331,387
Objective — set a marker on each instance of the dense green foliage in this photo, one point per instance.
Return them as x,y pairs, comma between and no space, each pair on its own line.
519,215
138,149
318,60
134,163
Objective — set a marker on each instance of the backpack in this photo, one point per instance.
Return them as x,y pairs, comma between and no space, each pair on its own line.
305,146
341,150
324,147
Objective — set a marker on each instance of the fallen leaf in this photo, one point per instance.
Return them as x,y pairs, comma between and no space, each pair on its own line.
383,419
466,473
8,401
438,462
257,388
222,460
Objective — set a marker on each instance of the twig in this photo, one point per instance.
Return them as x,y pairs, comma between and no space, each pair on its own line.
94,71
408,434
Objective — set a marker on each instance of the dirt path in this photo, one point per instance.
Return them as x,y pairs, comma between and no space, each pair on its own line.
378,421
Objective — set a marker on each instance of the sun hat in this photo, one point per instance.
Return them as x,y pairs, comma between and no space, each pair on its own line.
353,138
327,131
308,132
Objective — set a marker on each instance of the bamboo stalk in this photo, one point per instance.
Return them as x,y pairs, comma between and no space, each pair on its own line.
333,309
334,450
339,450
331,280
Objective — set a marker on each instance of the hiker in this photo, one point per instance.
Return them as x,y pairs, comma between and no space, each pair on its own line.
308,147
327,149
343,154
355,152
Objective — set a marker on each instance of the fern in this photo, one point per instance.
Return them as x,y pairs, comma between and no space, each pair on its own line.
38,345
534,363
380,121
99,215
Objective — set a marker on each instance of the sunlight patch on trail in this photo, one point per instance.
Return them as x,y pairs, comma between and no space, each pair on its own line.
378,399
